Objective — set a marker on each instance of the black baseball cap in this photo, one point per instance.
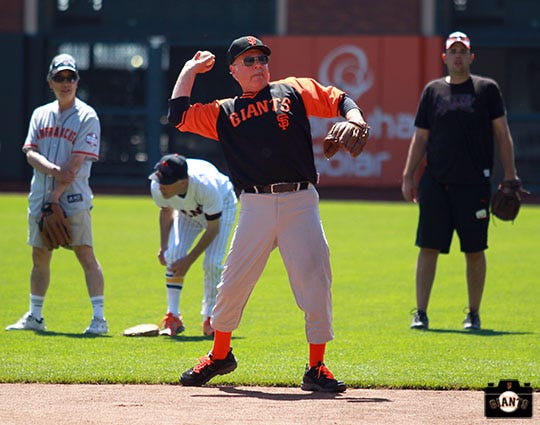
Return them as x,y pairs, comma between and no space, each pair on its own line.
243,44
62,62
170,169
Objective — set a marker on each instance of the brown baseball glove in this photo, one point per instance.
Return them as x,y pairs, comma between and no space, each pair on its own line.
54,226
506,202
347,134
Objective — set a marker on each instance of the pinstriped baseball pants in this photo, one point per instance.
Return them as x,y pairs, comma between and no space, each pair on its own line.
181,238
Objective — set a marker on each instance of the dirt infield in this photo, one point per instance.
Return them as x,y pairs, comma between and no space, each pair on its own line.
166,404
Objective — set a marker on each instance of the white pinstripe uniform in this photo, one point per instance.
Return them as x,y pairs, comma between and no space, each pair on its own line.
57,135
209,193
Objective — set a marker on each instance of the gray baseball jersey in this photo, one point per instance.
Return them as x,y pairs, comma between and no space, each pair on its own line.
57,135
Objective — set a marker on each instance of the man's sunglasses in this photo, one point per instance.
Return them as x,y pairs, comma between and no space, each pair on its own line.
250,60
60,79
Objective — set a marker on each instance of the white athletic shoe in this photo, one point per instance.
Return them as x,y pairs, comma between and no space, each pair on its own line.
27,322
97,327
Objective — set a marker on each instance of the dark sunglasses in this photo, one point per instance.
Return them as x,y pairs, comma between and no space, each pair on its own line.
250,60
60,79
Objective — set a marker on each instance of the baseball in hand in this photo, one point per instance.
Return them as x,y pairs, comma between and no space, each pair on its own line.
208,58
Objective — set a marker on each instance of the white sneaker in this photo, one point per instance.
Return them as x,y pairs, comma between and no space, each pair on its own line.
27,322
97,326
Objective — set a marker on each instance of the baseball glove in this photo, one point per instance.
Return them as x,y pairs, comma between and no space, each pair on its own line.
54,226
347,134
506,202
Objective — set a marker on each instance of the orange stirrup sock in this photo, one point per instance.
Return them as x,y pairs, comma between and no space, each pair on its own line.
222,344
316,354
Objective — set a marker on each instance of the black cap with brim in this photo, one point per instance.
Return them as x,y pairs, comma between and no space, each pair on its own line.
243,44
170,169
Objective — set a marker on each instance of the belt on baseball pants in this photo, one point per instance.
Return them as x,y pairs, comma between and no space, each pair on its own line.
277,187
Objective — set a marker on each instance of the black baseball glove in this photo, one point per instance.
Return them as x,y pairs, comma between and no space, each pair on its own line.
506,202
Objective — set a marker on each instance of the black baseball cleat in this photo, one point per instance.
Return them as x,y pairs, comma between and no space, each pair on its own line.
319,378
420,320
472,321
206,369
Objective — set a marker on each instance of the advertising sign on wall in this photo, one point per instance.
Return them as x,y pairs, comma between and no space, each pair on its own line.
384,75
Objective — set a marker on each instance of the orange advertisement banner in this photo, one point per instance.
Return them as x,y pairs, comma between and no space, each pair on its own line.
384,75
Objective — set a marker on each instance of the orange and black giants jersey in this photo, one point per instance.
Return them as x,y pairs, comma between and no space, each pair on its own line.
265,136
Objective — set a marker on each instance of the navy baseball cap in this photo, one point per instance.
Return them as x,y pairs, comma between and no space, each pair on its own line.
62,62
170,169
243,44
458,37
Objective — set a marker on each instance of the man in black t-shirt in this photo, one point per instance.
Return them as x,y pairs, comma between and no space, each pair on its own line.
459,119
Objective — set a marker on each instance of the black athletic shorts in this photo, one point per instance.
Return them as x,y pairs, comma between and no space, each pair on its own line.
448,207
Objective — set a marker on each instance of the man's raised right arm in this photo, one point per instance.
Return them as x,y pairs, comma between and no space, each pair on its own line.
200,63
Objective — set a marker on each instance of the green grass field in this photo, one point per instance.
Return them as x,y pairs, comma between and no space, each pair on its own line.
373,258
